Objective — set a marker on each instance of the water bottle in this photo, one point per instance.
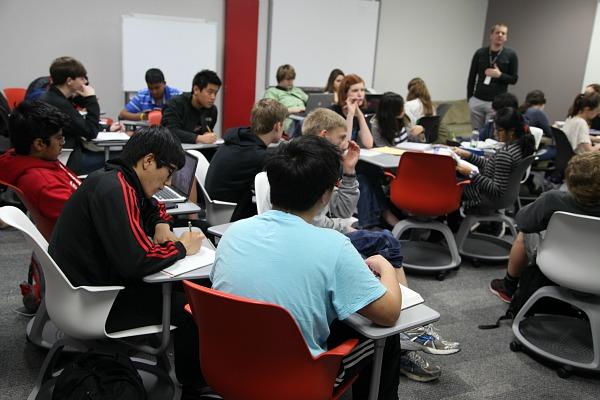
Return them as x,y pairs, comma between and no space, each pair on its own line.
474,138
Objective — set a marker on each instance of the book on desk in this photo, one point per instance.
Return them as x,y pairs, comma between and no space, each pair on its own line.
202,258
410,298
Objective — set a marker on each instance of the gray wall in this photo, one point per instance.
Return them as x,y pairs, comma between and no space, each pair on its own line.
37,31
552,39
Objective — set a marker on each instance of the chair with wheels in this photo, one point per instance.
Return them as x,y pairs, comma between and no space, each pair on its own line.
81,314
425,187
568,255
480,246
252,350
14,96
564,152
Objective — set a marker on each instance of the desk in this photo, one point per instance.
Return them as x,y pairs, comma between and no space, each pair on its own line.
118,145
382,160
219,230
412,317
184,208
135,124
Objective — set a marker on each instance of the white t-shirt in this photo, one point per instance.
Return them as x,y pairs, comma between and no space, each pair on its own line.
577,131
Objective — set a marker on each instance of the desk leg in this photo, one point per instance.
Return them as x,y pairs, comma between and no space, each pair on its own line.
166,315
376,374
106,153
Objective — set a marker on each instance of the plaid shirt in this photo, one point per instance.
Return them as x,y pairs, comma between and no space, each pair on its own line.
143,101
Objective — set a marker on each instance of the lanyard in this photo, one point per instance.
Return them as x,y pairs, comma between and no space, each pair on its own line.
493,60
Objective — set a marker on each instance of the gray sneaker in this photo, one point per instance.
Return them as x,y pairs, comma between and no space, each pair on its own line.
427,339
417,368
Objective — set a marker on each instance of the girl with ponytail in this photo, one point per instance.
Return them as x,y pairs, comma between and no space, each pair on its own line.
584,109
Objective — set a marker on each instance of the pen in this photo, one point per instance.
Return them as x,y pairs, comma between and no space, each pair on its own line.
208,128
190,225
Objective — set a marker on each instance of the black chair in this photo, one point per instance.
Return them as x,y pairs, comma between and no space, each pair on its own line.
431,125
564,152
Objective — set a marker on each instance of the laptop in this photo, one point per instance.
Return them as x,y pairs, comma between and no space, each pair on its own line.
181,183
318,100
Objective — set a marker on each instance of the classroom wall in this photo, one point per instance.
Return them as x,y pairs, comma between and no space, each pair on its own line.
37,31
552,39
432,39
592,70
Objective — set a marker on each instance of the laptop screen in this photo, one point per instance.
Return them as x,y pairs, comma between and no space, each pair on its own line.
182,178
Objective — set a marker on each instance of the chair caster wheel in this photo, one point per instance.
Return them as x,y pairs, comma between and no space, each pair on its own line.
476,263
564,372
515,346
441,276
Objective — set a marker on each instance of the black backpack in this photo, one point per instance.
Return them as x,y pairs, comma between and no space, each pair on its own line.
100,376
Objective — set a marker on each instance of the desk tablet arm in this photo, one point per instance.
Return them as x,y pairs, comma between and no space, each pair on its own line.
224,203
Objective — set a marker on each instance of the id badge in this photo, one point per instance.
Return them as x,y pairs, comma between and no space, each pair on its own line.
487,80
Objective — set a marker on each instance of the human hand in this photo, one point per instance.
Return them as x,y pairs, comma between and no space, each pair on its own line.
117,127
86,91
461,152
464,169
378,264
417,130
351,106
163,233
493,72
350,158
295,110
192,241
207,138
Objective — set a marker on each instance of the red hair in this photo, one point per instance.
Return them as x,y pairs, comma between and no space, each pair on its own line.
348,81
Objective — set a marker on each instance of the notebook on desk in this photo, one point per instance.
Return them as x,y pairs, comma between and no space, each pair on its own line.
181,183
410,297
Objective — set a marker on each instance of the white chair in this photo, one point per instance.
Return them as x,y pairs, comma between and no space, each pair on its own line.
569,256
81,314
263,192
217,212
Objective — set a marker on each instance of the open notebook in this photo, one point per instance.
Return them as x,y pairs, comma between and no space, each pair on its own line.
410,297
201,259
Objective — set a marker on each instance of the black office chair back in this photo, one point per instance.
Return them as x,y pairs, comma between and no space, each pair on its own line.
431,125
442,109
512,188
564,152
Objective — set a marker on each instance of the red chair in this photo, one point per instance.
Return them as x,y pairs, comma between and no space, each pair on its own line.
44,224
14,96
251,350
154,117
426,187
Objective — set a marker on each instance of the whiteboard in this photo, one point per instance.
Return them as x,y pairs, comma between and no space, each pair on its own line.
316,36
179,47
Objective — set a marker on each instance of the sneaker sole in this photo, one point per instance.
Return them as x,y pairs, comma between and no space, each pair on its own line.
500,296
414,346
420,378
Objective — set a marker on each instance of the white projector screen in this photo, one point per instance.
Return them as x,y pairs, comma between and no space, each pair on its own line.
179,47
316,36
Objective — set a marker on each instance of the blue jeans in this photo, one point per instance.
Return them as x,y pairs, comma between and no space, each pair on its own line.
370,243
372,201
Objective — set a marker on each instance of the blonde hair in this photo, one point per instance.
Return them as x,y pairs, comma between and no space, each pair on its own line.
322,119
583,178
418,90
265,114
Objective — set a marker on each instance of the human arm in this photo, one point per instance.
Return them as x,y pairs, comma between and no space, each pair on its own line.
480,162
495,185
386,309
86,126
472,76
47,192
134,110
534,217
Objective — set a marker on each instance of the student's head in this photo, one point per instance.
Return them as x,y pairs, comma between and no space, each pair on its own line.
583,178
586,105
285,76
205,86
268,116
154,153
303,172
535,98
68,71
504,100
36,129
328,124
389,115
156,83
352,87
511,128
498,35
593,87
418,90
333,82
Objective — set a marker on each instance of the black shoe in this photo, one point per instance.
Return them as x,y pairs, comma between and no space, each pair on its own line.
192,392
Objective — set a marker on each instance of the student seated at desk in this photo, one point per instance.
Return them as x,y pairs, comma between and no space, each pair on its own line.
231,173
585,108
583,197
502,100
102,238
154,97
192,116
292,97
418,101
70,89
32,164
315,273
390,126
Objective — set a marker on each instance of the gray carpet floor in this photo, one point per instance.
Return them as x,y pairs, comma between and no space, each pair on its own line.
484,369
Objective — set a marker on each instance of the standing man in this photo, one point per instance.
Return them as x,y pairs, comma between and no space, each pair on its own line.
154,97
192,116
493,68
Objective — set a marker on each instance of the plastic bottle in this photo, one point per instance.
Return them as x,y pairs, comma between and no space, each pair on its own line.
474,138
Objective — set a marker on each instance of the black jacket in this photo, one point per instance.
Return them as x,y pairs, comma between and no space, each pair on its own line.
507,62
186,121
86,126
101,236
230,176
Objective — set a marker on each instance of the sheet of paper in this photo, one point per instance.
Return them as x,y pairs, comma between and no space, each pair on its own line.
111,136
368,153
202,258
389,150
410,297
413,146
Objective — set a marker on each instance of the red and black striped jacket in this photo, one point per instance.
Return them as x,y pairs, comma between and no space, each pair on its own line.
102,234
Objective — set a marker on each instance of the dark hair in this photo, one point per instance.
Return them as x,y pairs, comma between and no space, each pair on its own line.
66,67
418,90
504,100
301,171
204,77
510,119
332,75
589,100
157,140
34,119
154,75
390,107
533,98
